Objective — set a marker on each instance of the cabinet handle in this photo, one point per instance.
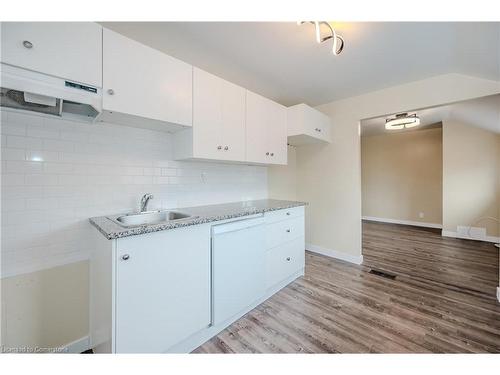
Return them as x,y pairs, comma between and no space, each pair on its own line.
288,259
27,44
219,147
319,130
267,153
111,92
288,230
226,148
288,214
272,153
125,257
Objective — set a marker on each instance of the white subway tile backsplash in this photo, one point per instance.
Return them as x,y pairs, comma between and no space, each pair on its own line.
40,179
13,129
12,179
15,141
13,153
57,173
42,156
57,145
41,132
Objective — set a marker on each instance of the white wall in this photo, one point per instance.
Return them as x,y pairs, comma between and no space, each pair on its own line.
56,174
329,177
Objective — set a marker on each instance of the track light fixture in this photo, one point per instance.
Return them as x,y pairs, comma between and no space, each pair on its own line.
338,41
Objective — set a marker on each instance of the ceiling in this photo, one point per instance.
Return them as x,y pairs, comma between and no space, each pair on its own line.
282,61
483,113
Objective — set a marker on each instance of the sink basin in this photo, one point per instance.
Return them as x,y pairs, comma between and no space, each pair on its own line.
150,217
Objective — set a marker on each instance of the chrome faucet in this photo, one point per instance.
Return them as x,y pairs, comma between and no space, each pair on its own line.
145,200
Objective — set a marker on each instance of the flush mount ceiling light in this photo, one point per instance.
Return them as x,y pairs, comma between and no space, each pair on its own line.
338,41
402,121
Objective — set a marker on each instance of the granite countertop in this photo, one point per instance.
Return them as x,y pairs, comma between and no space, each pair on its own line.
200,215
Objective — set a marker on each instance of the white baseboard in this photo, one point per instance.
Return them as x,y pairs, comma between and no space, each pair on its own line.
449,233
77,346
356,259
498,294
403,222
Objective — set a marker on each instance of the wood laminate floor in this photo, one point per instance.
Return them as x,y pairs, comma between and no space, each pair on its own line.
442,300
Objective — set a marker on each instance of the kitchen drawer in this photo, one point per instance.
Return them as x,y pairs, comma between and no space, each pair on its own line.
283,231
278,215
284,260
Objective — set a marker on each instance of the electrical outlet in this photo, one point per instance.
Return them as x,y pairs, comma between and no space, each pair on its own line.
421,215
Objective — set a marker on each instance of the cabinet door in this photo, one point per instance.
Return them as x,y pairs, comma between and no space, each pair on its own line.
141,81
207,115
69,50
233,121
277,133
266,133
218,118
162,289
258,108
316,124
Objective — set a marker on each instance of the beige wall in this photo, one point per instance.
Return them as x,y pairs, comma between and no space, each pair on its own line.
48,308
471,169
329,177
401,176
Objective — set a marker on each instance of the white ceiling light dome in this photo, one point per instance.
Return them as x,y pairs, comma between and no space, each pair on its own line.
402,121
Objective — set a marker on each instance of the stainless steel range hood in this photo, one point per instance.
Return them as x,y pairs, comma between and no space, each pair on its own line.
26,90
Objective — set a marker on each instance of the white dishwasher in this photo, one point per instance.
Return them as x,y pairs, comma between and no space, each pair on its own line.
238,266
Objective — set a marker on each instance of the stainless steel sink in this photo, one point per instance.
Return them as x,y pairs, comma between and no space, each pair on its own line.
149,217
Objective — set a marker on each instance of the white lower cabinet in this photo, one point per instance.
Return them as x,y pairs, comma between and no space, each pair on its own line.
172,290
162,288
284,260
285,244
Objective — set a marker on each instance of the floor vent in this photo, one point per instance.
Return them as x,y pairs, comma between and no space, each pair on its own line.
383,274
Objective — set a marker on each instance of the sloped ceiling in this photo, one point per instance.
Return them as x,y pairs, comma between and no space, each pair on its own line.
282,61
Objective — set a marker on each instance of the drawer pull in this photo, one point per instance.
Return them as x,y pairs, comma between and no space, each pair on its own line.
288,214
126,257
288,230
288,259
27,44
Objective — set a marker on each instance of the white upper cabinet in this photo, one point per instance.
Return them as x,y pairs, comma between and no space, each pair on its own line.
266,130
144,87
307,125
69,50
218,130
